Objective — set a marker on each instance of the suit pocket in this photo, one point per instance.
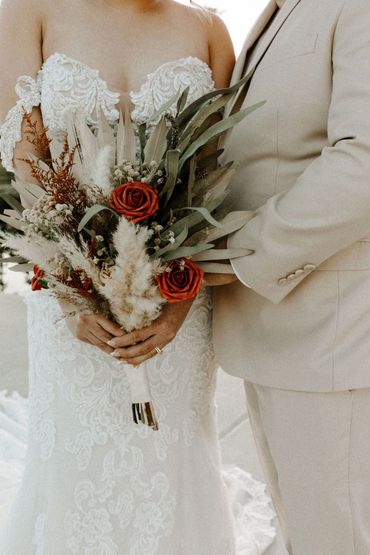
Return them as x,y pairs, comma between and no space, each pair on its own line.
292,47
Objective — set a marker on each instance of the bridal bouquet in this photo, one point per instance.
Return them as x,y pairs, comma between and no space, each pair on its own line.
123,220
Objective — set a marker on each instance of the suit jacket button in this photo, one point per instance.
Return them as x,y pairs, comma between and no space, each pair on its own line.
283,281
291,277
309,267
299,272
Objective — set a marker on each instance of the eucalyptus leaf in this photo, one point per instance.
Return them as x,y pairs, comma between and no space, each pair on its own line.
204,212
172,165
195,217
13,202
220,187
181,103
194,108
186,251
142,139
231,223
216,268
200,118
172,246
222,254
22,268
216,130
12,213
164,108
202,186
93,211
12,222
191,179
157,143
210,160
13,259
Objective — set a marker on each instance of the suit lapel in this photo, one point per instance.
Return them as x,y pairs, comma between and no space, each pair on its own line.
245,65
252,37
271,33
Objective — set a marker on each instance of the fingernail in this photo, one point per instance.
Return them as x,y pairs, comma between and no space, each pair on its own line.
115,354
111,343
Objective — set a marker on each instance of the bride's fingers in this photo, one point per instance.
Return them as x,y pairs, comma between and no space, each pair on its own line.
100,333
142,349
111,327
136,361
96,342
131,339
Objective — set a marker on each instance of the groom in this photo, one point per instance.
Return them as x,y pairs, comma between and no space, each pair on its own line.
296,324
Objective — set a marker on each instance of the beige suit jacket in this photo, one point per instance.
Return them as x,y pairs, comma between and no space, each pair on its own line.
303,170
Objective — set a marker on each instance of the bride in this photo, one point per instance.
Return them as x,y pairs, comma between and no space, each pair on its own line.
94,482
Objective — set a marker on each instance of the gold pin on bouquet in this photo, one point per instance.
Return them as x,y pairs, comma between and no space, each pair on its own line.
124,219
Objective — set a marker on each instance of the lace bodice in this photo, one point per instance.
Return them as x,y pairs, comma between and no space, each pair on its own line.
65,84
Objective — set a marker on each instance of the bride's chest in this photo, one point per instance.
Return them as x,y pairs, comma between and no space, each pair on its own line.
67,84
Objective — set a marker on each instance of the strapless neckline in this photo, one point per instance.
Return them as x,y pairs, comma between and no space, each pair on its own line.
66,84
96,73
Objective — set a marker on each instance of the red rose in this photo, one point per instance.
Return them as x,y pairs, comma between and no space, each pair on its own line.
37,281
80,281
135,201
181,282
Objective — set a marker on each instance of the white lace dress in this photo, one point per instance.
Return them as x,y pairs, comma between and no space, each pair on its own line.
94,483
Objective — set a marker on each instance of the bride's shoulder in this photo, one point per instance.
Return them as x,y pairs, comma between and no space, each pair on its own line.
213,29
207,19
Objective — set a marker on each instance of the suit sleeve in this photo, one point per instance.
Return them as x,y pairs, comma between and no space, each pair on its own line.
328,208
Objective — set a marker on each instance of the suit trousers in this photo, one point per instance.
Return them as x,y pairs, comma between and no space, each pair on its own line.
315,451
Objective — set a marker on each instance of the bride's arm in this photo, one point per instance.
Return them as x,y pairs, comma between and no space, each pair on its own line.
20,55
221,52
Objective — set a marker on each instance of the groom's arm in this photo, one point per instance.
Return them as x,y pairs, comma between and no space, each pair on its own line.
328,208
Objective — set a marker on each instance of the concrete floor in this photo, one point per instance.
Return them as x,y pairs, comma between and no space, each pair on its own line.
235,434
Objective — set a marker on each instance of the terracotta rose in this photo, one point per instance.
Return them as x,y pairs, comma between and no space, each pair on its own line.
182,281
135,200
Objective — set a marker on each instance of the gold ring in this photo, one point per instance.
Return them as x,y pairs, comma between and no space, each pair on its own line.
158,350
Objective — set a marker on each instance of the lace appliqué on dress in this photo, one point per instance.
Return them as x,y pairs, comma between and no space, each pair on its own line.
64,85
28,91
68,85
161,85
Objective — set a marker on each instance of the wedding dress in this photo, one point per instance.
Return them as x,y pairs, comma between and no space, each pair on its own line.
93,482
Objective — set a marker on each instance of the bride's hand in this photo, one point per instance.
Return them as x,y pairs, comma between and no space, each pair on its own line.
93,329
215,280
137,347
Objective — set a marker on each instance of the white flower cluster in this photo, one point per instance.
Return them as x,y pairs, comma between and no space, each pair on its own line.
45,217
162,239
137,171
